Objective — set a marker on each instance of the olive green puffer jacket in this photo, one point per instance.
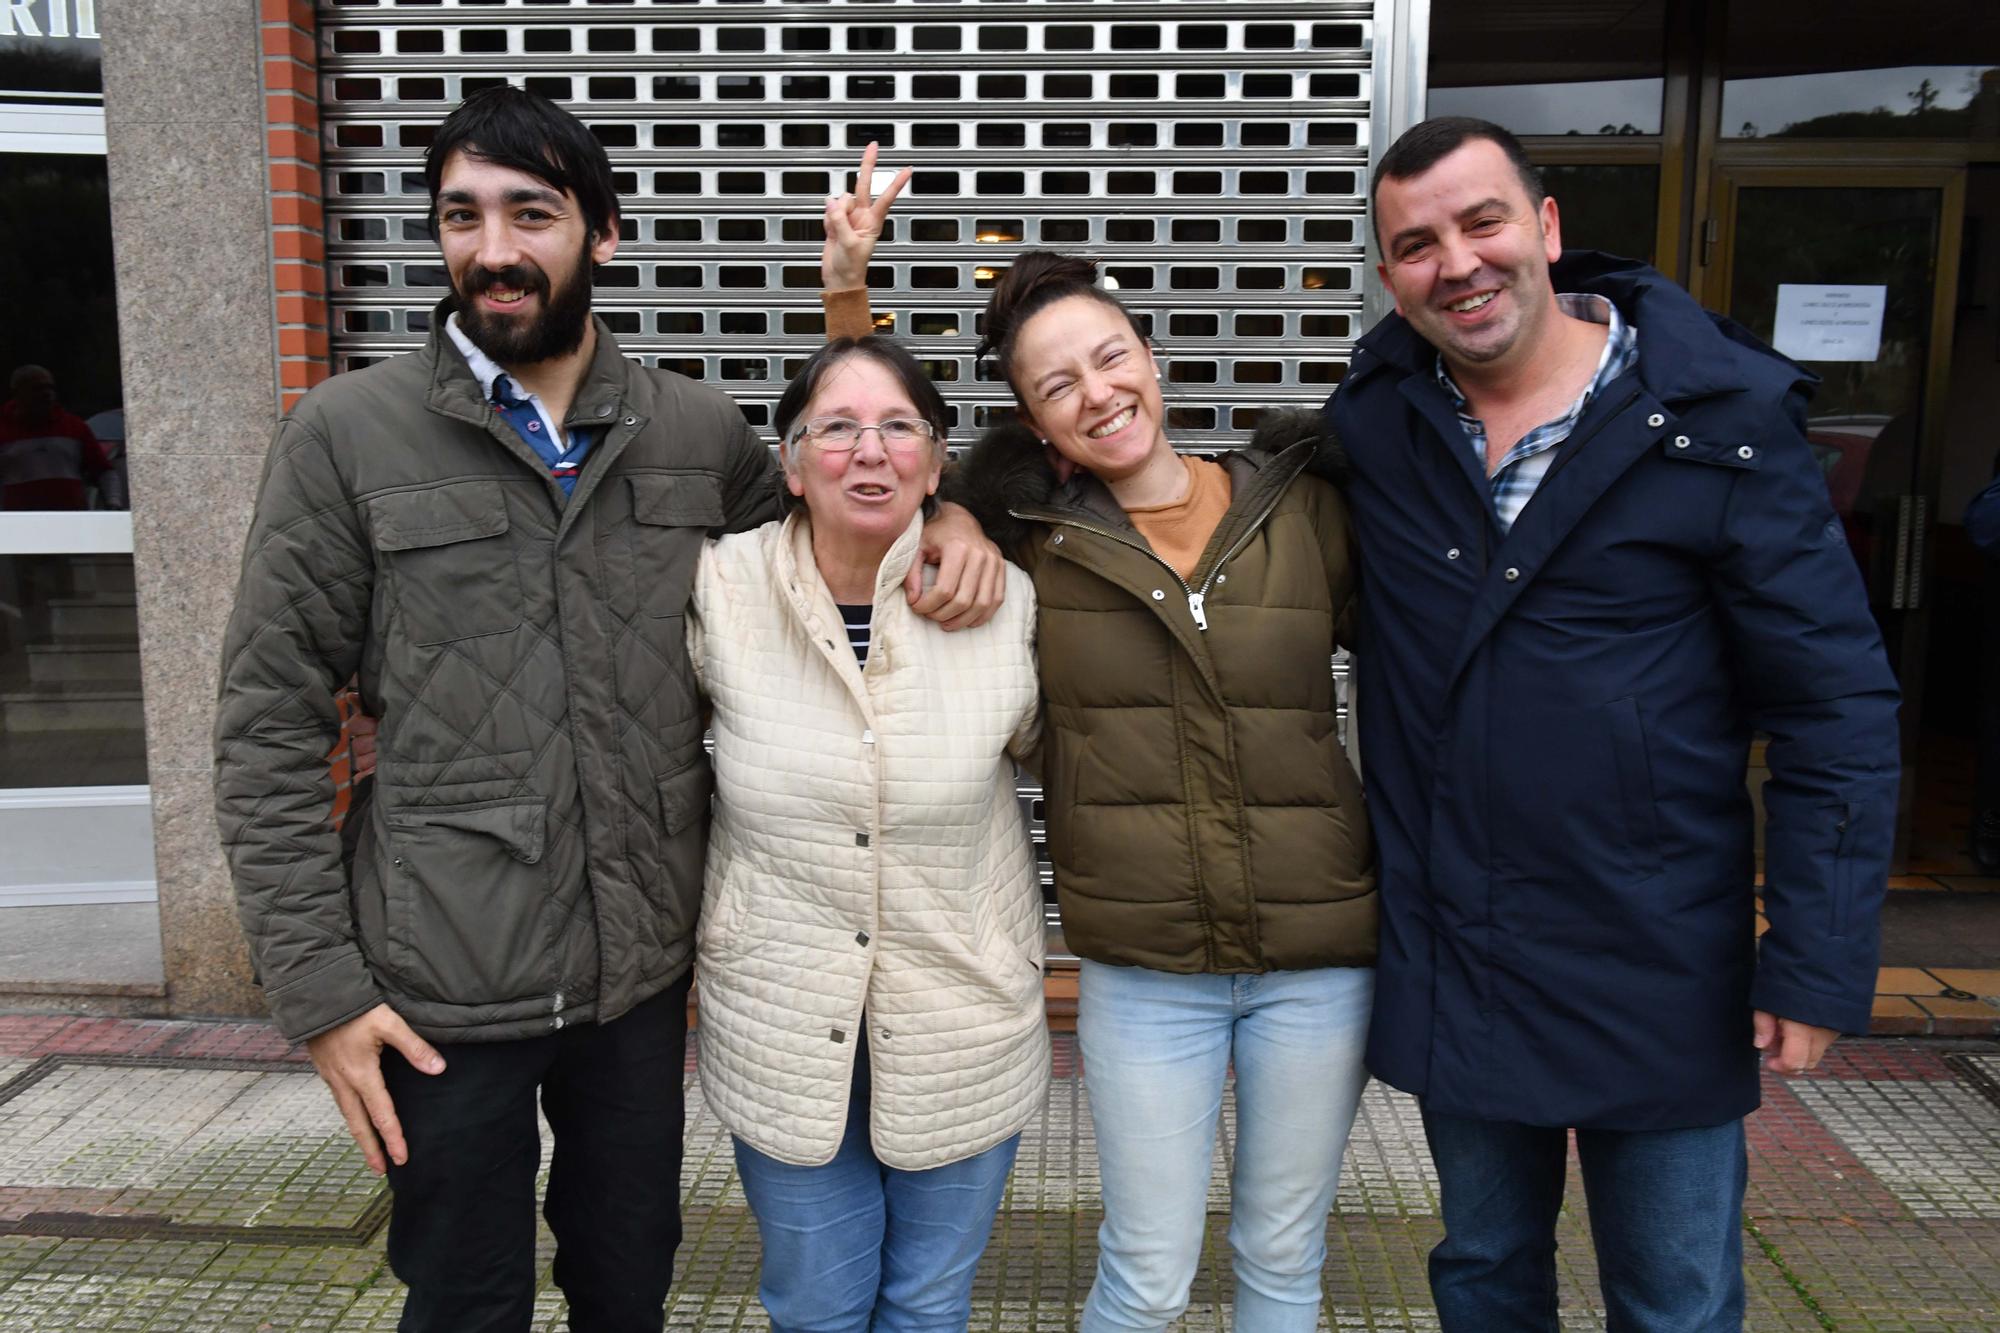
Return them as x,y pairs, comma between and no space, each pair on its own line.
531,855
1202,815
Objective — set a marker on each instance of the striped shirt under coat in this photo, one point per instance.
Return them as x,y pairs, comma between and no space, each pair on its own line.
867,854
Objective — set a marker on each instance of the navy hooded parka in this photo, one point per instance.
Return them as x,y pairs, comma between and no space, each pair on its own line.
1555,724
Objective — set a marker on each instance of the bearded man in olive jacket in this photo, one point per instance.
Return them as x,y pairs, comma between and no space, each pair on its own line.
497,534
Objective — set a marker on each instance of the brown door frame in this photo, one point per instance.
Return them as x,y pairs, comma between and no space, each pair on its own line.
1840,165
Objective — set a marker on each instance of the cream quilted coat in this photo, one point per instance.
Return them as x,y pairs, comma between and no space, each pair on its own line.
867,854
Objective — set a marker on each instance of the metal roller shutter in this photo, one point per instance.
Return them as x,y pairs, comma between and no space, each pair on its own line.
1213,155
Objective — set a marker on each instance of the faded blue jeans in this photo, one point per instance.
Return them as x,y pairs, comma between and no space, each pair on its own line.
1156,1047
854,1246
1666,1213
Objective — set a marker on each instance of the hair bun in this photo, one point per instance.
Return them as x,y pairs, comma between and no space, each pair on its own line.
1034,279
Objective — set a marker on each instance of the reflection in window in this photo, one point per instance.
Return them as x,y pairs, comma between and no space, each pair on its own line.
1909,101
1591,67
1830,69
48,63
70,712
62,433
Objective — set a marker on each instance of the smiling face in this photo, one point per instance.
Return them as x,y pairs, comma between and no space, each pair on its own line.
1088,384
519,255
866,496
1467,254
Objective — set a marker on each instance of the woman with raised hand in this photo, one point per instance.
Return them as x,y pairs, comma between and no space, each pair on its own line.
870,945
1211,852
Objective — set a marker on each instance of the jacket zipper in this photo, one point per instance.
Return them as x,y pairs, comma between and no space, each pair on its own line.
1197,601
1194,599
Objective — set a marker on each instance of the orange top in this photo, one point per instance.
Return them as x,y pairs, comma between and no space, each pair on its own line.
1179,532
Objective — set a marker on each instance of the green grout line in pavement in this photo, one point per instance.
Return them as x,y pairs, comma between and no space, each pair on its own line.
1792,1280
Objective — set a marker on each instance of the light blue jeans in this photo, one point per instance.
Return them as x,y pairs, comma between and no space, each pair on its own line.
854,1246
1156,1047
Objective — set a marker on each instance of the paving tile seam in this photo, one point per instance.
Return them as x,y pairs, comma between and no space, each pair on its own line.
153,1227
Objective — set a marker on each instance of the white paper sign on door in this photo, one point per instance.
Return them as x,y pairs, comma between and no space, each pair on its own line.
1819,323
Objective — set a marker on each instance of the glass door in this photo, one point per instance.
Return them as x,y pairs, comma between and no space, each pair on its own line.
75,808
1850,271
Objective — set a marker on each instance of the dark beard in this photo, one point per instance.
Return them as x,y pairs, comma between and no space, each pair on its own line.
517,342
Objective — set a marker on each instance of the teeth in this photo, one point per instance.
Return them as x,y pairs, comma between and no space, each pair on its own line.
1117,423
1471,303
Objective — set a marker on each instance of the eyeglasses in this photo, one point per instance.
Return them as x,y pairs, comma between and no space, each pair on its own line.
839,435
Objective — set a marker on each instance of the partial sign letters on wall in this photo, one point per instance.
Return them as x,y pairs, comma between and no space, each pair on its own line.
49,18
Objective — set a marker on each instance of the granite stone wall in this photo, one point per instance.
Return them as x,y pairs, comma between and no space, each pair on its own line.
186,124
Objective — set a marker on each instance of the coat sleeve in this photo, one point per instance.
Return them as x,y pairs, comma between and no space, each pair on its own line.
1026,743
1335,530
1811,668
750,487
1982,520
847,313
294,637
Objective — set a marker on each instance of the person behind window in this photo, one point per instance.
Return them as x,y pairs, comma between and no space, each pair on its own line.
48,457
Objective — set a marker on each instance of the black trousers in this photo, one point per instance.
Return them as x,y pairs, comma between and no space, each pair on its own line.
462,1226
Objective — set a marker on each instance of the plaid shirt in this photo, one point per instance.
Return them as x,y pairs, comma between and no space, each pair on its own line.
1522,470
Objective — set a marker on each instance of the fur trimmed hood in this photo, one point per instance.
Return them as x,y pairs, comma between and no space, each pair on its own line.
1006,470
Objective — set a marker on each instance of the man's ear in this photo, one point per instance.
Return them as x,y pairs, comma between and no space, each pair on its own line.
1552,232
605,243
1382,272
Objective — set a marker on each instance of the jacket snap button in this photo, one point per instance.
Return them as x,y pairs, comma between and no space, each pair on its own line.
1513,574
1057,540
605,410
631,421
861,938
1656,420
1452,554
1746,452
1159,596
861,840
1682,441
1222,578
397,862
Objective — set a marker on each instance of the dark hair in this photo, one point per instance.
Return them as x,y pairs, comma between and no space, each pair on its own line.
1031,284
888,354
511,127
1428,142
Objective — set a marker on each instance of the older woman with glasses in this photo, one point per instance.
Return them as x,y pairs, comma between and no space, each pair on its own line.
870,945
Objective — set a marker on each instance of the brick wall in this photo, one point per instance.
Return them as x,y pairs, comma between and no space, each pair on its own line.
298,238
298,224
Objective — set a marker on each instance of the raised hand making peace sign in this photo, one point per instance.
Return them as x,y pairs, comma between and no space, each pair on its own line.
854,224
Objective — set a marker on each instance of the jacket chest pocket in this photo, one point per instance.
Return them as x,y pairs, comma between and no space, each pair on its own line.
671,517
451,561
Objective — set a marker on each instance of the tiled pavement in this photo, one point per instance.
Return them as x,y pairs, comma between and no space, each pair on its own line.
166,1176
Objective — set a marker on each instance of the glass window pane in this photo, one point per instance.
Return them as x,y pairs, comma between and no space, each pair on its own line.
62,430
47,62
1609,208
1590,67
70,714
1831,69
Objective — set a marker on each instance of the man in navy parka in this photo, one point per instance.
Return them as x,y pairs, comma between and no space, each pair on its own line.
1597,558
